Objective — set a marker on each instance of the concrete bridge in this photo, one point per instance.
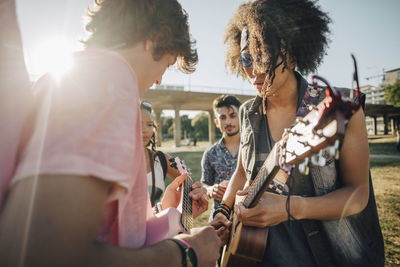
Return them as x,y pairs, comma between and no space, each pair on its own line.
389,113
177,98
200,98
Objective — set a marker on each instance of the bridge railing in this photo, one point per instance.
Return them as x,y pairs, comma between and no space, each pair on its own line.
207,89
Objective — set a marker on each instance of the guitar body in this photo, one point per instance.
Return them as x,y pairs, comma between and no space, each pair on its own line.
246,245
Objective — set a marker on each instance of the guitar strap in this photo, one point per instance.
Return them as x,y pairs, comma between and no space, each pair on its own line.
312,96
153,178
313,229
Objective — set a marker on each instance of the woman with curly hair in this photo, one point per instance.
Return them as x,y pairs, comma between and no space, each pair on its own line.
327,217
79,193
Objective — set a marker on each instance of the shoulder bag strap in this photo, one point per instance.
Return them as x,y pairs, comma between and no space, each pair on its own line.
153,178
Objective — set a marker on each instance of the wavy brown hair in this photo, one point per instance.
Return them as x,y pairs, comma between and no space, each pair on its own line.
278,29
120,23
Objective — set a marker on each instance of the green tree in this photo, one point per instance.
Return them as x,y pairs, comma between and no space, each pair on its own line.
392,93
200,126
166,123
186,126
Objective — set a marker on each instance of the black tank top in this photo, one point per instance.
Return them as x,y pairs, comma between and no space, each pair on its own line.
287,244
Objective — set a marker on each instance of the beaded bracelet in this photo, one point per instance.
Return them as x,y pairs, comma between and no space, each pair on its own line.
289,216
220,210
224,209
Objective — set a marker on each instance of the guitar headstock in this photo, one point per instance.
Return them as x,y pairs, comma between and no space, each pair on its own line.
321,129
305,139
178,164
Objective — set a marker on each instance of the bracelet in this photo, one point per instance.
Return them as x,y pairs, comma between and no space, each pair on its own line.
226,207
218,210
186,251
289,216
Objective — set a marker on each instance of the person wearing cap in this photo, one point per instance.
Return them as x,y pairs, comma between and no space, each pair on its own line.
78,195
327,217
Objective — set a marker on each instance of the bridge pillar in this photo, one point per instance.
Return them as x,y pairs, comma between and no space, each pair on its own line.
385,122
211,127
177,127
375,126
393,126
159,126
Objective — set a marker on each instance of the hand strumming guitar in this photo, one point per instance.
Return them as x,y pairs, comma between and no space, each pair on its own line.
269,211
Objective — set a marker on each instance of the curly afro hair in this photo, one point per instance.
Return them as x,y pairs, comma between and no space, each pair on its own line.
288,29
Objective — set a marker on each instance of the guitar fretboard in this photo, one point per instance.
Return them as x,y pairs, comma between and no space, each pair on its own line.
263,178
187,218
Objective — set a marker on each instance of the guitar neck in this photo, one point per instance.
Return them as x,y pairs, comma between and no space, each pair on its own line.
187,216
263,179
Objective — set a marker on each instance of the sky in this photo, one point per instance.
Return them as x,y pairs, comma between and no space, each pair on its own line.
367,28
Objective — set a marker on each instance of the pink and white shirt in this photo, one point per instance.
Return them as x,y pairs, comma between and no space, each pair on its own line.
88,122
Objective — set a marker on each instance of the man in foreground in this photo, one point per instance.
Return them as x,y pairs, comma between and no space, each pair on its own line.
79,196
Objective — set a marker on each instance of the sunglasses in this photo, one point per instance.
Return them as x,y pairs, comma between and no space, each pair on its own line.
245,59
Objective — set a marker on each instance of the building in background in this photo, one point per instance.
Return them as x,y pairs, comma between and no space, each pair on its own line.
390,77
384,113
374,94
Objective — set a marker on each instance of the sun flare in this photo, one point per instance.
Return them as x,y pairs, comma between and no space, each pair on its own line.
53,56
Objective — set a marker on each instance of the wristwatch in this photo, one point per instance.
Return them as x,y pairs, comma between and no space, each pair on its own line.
189,257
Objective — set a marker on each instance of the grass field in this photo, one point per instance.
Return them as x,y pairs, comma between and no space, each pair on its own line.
383,145
386,179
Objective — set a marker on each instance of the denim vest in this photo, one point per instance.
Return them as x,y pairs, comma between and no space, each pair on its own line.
351,241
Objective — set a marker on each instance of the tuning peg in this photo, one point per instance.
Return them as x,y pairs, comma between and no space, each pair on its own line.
332,151
336,149
336,145
318,133
314,160
303,167
321,158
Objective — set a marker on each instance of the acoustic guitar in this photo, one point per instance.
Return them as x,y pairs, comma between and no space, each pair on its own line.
307,141
172,221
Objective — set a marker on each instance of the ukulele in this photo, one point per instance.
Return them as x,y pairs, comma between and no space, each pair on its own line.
172,221
305,142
